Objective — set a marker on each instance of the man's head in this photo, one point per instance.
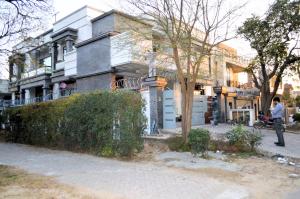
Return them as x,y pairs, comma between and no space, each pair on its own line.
276,100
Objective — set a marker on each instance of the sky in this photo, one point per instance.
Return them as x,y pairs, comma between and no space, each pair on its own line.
257,7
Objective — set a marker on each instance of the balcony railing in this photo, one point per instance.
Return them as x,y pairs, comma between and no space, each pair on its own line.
238,84
36,72
49,97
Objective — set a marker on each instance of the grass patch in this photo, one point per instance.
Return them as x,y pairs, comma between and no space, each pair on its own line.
15,183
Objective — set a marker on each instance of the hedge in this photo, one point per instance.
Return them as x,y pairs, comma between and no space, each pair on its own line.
103,123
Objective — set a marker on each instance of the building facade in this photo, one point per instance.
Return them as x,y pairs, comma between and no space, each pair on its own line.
93,50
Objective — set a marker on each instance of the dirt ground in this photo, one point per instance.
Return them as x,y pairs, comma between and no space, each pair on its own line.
16,183
262,176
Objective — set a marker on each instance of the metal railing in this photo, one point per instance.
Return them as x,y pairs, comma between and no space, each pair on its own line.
49,97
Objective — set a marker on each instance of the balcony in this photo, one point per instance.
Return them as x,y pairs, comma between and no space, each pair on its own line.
128,48
36,72
69,64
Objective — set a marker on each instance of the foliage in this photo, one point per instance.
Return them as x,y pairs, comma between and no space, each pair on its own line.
274,38
286,95
199,141
253,139
296,117
244,139
177,144
104,123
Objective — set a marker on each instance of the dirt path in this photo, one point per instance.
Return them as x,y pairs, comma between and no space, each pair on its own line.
257,179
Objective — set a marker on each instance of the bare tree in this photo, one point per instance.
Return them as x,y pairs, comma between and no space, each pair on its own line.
18,19
191,29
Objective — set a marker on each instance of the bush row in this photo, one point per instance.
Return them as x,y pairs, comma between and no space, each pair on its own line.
104,123
238,139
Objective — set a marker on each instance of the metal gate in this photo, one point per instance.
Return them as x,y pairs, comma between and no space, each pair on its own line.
199,110
169,110
169,115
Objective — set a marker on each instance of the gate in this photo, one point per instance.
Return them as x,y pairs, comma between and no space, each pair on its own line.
200,107
169,115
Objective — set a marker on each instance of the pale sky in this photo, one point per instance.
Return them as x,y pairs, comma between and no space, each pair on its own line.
258,7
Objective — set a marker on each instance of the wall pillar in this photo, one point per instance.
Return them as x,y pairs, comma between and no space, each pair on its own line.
156,86
53,55
226,108
218,91
46,95
27,96
234,103
69,43
56,93
13,98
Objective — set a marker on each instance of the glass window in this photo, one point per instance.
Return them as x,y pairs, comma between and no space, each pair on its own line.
64,52
46,62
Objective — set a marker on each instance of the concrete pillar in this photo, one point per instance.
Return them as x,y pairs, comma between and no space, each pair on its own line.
218,91
27,96
53,55
156,87
13,98
46,96
234,103
56,93
226,108
69,43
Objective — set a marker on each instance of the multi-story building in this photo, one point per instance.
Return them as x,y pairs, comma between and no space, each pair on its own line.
90,49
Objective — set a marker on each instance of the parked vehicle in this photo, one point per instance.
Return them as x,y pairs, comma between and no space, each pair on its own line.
266,122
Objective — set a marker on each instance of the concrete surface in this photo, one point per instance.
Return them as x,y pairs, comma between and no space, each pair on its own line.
132,180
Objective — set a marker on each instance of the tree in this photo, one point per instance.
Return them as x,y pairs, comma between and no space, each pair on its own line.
286,95
191,29
18,18
275,39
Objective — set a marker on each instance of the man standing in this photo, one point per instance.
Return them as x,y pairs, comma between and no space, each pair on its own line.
277,114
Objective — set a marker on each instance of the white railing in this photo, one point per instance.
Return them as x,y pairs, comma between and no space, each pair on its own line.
35,72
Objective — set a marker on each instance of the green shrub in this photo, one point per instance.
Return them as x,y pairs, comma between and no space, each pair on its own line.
104,123
243,139
177,144
296,117
199,141
253,139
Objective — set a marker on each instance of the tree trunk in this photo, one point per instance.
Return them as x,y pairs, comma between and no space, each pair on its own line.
187,105
266,98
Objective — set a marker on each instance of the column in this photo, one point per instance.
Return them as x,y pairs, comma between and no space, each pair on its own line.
156,87
27,96
69,43
226,108
13,98
56,93
218,91
53,55
234,103
46,95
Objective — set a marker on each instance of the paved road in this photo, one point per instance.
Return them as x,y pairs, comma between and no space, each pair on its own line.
119,179
292,141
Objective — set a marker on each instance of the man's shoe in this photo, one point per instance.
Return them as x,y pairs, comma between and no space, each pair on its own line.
276,143
282,145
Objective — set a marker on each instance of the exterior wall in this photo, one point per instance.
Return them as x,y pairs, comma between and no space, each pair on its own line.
79,20
103,25
95,82
94,57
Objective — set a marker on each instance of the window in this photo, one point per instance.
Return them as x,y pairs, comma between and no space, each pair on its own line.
46,62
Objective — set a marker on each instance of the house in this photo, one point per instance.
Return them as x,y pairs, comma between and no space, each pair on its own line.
90,50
